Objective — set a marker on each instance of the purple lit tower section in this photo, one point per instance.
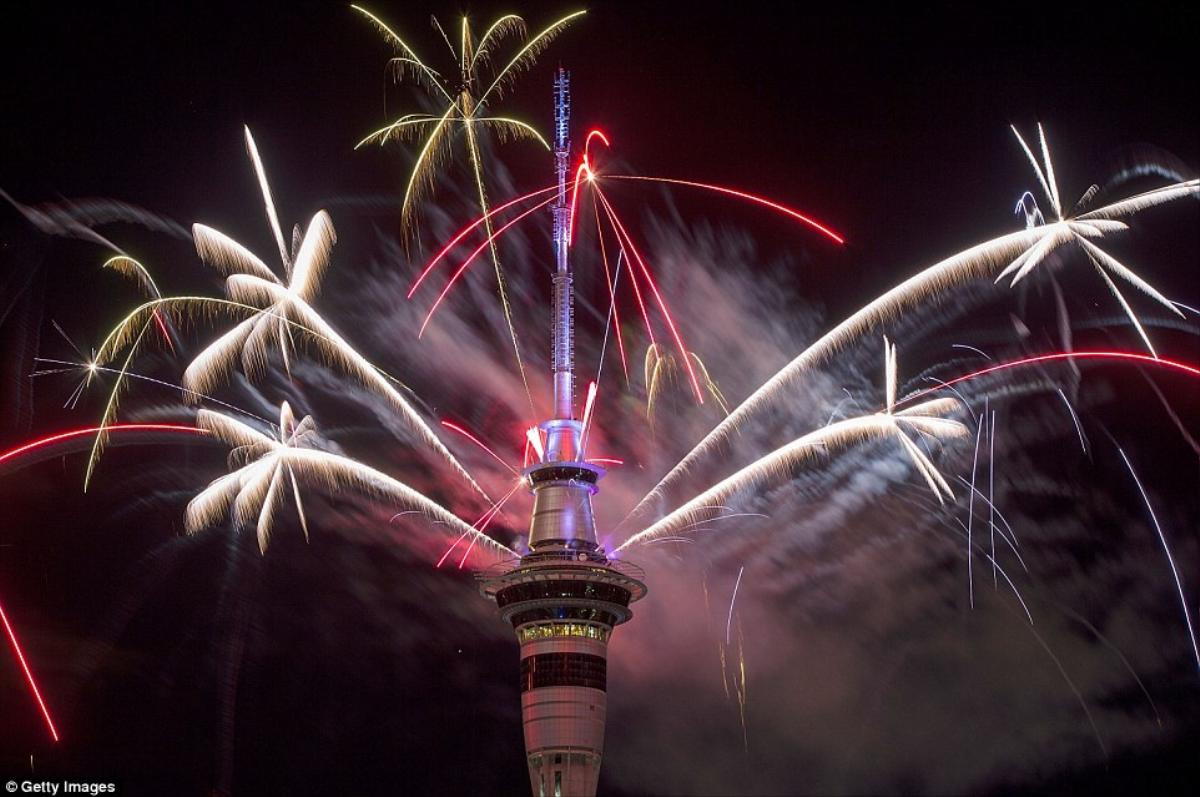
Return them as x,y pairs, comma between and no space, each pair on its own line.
565,596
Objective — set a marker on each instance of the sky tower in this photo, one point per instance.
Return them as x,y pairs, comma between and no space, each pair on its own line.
565,596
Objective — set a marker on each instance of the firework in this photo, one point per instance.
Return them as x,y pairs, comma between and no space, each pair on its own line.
987,259
277,308
927,417
465,95
254,492
660,369
466,99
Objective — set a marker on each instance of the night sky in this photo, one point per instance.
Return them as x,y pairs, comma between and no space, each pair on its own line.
347,665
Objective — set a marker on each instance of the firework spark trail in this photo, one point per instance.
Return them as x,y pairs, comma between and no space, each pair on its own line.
595,132
91,366
961,397
982,260
456,428
530,51
501,289
482,526
33,687
1074,419
1183,430
471,258
741,690
662,305
584,171
1187,617
249,280
971,518
446,249
980,352
479,524
997,566
609,278
816,225
110,408
1057,663
614,320
991,500
732,600
633,281
1011,538
924,504
977,261
273,217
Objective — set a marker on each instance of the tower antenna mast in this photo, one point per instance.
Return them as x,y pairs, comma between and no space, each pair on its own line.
563,343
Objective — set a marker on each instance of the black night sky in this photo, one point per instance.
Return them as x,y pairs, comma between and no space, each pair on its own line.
193,665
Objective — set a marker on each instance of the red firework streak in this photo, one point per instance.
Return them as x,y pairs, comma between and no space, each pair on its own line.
720,189
48,440
456,428
662,305
1125,356
612,294
33,687
471,258
467,230
479,525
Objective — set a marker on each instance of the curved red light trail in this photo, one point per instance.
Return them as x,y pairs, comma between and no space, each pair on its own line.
594,133
637,291
456,428
795,214
612,295
42,442
583,169
1126,356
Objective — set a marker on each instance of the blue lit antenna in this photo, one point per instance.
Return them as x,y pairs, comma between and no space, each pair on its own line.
563,341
